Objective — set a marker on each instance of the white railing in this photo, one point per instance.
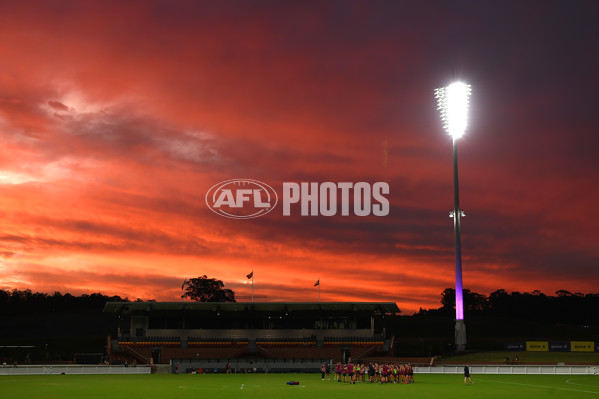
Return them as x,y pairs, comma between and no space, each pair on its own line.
72,369
474,369
507,369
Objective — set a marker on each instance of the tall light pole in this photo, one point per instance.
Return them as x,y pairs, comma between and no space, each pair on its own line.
452,101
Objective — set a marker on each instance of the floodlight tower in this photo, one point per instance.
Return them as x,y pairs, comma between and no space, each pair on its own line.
452,101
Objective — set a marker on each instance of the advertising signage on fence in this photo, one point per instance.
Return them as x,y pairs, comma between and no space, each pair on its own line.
553,346
537,346
559,346
514,346
582,346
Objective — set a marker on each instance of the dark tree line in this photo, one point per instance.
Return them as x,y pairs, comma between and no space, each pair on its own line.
15,301
19,301
563,307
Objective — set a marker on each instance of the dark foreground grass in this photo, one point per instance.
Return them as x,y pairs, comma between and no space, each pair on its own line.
265,386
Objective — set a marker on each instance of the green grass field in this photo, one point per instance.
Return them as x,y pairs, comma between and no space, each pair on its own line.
263,386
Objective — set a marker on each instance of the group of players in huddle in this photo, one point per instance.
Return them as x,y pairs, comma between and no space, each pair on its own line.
380,373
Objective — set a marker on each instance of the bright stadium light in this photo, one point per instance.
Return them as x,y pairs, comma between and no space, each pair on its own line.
452,101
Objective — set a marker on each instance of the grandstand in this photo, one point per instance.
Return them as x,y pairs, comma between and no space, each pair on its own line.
208,331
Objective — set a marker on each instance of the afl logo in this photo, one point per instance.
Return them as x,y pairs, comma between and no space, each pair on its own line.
241,198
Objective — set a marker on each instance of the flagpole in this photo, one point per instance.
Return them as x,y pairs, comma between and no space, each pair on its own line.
252,286
318,284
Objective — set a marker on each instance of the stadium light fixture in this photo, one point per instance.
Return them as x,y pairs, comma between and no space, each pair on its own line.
452,101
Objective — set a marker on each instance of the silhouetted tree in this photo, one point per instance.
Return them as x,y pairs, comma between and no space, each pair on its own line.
473,301
448,299
204,289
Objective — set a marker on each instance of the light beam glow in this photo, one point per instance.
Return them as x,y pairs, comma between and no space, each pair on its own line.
459,300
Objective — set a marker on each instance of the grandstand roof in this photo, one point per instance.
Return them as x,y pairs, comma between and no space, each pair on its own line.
129,307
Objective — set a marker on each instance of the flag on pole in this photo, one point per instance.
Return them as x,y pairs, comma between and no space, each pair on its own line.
249,276
185,282
317,283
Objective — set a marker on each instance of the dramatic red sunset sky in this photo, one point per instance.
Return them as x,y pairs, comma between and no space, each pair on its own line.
117,117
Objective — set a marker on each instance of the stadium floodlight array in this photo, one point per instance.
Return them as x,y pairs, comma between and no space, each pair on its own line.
452,101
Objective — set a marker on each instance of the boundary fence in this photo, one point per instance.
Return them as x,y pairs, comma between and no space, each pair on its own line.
296,365
72,369
501,369
249,365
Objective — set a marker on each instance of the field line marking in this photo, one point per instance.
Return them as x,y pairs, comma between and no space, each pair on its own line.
540,386
582,385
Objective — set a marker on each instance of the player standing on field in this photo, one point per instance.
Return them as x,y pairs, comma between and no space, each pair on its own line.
467,374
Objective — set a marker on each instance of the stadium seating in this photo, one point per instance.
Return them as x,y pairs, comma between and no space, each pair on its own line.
149,341
286,342
273,331
199,342
353,341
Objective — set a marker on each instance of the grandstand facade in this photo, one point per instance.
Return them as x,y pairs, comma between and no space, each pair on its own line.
163,331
